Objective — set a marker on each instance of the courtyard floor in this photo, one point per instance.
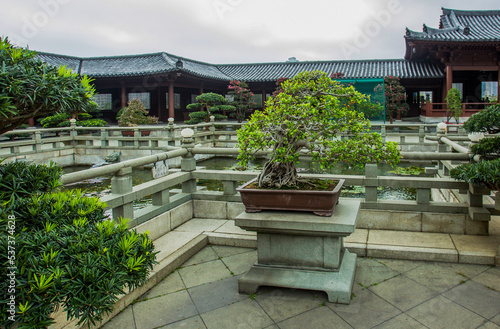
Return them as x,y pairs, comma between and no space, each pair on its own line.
203,293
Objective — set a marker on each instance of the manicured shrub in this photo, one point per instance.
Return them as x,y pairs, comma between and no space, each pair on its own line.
66,253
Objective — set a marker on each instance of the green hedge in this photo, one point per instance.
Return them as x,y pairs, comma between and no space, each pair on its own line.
66,253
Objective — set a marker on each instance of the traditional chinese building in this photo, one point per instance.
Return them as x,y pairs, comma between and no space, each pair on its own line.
466,46
462,53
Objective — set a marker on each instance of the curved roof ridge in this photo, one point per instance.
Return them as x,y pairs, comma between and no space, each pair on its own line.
471,12
56,55
299,63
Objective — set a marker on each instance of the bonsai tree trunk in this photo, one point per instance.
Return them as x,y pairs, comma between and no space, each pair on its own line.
277,174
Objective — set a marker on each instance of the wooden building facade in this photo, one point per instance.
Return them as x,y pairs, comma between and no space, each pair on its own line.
463,53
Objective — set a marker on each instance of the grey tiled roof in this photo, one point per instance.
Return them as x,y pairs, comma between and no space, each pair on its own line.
60,60
462,26
158,63
351,69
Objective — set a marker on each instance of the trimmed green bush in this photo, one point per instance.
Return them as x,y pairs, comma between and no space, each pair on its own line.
486,121
66,252
207,104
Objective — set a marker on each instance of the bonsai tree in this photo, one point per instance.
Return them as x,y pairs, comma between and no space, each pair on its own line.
67,253
31,88
308,116
278,89
242,96
207,104
486,171
134,114
454,104
63,120
395,98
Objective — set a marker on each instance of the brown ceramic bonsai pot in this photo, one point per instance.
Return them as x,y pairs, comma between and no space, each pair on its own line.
320,203
130,133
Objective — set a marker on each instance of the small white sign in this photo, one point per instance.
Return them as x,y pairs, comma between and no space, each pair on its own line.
160,169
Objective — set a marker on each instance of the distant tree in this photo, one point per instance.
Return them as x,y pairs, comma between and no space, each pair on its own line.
337,75
207,104
31,88
242,99
454,104
395,98
278,89
135,113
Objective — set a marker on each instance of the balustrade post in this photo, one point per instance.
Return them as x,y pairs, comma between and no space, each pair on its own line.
188,162
137,134
171,132
121,183
423,195
421,134
441,132
383,133
371,182
104,138
212,129
161,198
73,133
37,136
229,187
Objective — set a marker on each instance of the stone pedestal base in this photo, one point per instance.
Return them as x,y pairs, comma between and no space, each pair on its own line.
303,251
337,285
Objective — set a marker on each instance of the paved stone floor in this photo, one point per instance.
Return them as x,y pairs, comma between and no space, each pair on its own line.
203,293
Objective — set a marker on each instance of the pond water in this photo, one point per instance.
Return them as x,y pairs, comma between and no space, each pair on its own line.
102,185
386,193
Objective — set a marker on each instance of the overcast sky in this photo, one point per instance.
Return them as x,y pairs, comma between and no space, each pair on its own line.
224,31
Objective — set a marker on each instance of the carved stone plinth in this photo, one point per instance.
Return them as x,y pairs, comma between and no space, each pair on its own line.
302,251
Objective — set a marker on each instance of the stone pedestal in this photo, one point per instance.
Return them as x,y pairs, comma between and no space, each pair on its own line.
302,251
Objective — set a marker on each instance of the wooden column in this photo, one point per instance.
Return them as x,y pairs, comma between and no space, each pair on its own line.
449,78
263,99
123,96
498,82
171,113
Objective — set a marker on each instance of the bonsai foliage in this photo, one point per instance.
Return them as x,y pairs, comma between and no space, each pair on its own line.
67,254
487,171
207,104
395,98
134,114
308,116
242,99
486,121
370,108
454,103
30,88
63,120
483,172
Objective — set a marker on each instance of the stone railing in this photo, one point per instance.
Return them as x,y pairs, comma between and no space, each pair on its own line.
101,141
181,185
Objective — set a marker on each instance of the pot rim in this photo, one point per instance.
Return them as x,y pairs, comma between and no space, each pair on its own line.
335,190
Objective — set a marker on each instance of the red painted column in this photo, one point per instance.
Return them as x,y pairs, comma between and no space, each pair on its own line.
171,100
449,78
263,99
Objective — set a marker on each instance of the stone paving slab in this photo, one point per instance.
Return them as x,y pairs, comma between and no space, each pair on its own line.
200,225
411,239
388,280
230,228
387,293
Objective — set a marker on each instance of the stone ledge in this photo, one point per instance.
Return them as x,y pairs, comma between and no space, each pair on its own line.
412,253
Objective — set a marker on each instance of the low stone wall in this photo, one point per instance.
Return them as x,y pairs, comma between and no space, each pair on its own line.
451,223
